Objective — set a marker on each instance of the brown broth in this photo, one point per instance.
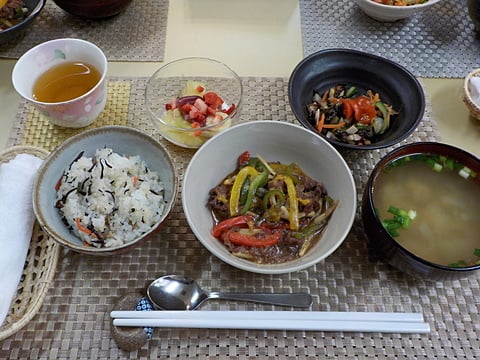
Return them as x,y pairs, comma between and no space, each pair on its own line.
446,228
65,81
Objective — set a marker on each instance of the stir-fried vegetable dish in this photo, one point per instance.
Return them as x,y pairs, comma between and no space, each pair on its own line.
341,114
11,13
400,2
268,212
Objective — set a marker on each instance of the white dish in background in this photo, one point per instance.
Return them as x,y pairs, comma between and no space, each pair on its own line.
274,141
390,13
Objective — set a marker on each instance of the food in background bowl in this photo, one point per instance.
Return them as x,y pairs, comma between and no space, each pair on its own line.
182,82
12,12
400,2
109,199
269,212
16,16
420,210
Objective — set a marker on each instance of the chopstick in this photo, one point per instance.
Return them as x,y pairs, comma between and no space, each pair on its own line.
276,320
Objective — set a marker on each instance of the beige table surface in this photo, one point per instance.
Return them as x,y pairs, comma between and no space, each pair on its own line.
259,38
255,41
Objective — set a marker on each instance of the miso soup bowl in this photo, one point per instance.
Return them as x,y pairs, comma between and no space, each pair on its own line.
384,246
75,113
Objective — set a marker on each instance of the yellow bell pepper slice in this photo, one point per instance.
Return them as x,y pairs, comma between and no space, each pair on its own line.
293,201
237,188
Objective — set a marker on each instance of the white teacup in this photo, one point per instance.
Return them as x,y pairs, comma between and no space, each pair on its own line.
75,113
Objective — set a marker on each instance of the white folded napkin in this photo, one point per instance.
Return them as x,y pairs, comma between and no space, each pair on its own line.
474,87
16,223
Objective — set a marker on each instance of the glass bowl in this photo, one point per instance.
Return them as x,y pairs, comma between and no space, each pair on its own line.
395,85
171,93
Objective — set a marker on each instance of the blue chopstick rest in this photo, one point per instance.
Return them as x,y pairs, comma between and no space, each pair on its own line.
145,305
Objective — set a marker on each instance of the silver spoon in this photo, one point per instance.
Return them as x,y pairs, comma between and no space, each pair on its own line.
175,292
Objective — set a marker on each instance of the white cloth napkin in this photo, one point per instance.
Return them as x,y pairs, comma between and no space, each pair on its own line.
16,223
474,87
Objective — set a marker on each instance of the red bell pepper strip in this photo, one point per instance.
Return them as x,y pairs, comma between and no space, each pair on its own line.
236,230
259,239
227,224
244,158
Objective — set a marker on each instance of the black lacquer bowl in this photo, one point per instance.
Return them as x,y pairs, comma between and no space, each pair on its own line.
394,83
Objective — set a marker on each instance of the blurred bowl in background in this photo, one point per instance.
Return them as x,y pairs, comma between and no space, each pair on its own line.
173,90
474,13
80,111
93,9
34,8
395,85
389,13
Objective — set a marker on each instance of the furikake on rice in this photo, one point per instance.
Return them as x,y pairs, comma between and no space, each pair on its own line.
108,200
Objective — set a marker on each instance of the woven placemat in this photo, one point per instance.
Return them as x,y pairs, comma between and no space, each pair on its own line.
136,34
439,42
74,320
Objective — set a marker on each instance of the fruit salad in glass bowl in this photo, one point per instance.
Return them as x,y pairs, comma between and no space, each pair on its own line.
190,100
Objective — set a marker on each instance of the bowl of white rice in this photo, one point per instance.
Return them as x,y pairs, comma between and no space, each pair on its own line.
105,190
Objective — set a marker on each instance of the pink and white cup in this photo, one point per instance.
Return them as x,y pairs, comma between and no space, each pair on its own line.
75,113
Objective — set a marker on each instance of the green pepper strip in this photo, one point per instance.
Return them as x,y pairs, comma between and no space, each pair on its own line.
257,183
273,194
309,230
292,197
244,191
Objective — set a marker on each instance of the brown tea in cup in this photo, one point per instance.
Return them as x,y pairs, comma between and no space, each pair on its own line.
65,81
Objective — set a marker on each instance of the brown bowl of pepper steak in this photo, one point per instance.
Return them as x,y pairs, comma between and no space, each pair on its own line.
355,100
269,205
